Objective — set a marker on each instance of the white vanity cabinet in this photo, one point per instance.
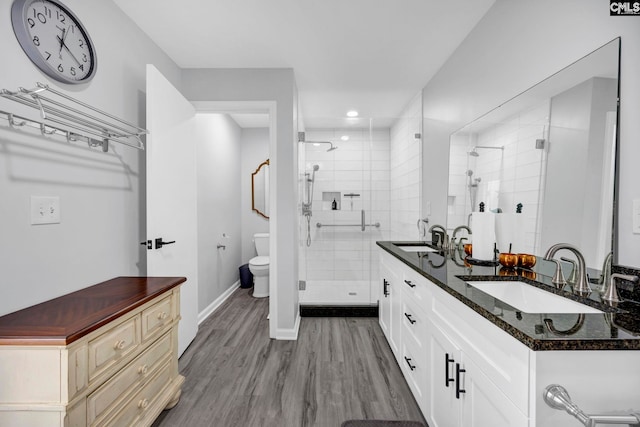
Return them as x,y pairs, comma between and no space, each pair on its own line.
389,302
479,375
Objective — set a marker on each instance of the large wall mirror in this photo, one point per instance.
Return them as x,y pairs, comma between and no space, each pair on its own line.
551,149
260,190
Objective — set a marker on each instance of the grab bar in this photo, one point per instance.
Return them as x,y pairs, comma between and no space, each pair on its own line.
557,397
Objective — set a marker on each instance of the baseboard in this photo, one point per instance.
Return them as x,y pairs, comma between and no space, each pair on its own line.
289,334
202,316
338,311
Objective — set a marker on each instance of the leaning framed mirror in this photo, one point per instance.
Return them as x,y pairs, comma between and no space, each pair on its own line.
260,190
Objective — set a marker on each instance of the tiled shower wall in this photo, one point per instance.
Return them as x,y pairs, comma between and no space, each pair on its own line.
516,172
339,250
406,172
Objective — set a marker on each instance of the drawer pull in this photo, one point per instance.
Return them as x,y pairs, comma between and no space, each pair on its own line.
447,360
410,283
408,360
162,316
119,345
408,316
458,389
142,370
143,403
385,287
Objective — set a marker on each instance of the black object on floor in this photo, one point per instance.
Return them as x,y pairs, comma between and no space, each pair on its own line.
381,423
246,277
338,311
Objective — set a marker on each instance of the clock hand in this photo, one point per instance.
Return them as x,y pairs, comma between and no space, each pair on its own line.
63,44
62,39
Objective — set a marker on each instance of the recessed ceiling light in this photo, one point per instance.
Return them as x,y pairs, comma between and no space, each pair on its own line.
344,137
352,113
316,144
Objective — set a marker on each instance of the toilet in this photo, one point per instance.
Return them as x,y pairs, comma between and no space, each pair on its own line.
259,266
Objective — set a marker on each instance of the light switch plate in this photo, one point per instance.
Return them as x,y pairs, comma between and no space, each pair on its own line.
45,210
636,216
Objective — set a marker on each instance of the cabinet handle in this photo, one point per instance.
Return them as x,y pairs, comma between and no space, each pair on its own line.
408,360
143,403
386,287
410,283
458,389
408,316
447,360
162,316
142,370
119,345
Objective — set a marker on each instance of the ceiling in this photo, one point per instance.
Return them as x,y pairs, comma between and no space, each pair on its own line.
372,56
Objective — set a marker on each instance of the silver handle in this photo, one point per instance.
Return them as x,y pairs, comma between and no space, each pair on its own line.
362,221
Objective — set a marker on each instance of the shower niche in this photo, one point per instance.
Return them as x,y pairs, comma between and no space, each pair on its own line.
331,201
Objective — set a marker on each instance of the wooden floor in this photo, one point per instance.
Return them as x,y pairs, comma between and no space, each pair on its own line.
338,369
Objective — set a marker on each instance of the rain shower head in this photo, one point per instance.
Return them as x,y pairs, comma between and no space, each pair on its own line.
322,142
474,150
332,148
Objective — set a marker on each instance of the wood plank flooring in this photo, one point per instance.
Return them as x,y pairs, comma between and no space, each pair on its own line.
340,368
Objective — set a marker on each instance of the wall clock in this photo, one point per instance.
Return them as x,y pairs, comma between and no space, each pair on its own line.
54,39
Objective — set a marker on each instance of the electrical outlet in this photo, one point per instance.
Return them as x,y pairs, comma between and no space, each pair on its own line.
45,210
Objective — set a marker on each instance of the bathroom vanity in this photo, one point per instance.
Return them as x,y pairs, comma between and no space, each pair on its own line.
473,360
104,355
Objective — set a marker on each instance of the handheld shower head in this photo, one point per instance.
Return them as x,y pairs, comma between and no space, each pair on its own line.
316,167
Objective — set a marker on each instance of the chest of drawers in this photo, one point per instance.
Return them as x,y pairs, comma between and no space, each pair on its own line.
104,355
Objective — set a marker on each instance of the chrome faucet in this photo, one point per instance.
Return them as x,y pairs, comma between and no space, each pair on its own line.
611,292
581,285
444,237
605,275
455,232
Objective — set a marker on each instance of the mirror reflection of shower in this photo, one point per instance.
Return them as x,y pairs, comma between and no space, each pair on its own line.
307,203
474,150
472,184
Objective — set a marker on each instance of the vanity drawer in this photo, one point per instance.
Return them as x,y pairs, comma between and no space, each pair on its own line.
156,317
414,323
416,287
110,347
414,366
137,407
106,397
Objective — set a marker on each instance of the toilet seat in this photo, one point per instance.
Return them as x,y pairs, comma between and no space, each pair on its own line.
259,261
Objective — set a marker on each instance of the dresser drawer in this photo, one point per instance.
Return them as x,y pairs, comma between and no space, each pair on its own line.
136,408
101,401
156,317
110,347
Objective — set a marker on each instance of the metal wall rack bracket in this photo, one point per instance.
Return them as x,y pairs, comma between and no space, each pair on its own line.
75,120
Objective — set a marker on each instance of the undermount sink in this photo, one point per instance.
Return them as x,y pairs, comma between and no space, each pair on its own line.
417,248
529,299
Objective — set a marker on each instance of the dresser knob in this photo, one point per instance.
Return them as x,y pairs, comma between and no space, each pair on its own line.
162,316
142,370
119,345
143,403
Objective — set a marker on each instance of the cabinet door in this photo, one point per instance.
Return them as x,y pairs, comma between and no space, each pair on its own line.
444,407
483,404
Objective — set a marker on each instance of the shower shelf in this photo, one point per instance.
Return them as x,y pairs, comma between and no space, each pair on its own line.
72,119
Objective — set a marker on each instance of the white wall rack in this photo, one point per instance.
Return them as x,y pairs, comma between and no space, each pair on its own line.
75,120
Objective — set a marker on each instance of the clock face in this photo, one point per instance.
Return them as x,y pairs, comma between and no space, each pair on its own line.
54,39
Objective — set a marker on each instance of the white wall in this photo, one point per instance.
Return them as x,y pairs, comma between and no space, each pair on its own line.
507,53
218,168
255,150
101,195
272,85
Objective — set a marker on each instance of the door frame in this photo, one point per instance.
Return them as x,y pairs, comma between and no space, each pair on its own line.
268,107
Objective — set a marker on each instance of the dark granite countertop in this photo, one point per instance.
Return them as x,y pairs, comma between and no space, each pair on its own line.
618,328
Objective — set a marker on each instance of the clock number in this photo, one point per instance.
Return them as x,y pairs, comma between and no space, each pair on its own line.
47,11
36,41
40,16
61,16
84,57
48,55
81,43
31,22
81,67
60,68
72,71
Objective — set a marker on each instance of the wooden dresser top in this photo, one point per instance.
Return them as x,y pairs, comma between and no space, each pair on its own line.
65,319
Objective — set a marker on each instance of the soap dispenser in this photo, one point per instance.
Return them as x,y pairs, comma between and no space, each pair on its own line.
334,205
